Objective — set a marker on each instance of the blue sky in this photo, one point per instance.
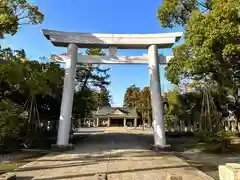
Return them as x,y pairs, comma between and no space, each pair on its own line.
103,16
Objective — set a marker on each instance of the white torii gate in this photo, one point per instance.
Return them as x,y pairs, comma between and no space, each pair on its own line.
73,41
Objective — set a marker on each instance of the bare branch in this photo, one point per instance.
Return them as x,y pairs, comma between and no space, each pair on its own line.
21,13
204,5
24,17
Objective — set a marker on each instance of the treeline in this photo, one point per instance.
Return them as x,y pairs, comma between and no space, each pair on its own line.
30,90
203,108
141,100
208,60
30,97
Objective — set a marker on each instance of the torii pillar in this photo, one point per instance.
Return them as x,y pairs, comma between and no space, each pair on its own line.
67,96
156,99
112,41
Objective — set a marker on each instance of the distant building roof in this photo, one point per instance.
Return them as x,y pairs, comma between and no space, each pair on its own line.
116,112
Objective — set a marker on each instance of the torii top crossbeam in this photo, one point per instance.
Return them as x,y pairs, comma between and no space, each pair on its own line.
120,41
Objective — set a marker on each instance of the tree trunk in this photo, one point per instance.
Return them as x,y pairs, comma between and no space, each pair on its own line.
89,71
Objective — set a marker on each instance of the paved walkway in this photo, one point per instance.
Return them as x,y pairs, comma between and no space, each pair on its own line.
129,157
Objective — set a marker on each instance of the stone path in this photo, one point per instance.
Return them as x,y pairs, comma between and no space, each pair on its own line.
129,157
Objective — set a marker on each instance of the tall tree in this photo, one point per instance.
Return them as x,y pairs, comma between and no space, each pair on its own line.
141,100
145,106
24,80
92,75
178,12
28,90
131,96
211,46
90,78
211,50
87,101
176,110
15,13
104,98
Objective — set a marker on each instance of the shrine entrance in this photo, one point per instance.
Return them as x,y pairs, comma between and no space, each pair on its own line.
73,41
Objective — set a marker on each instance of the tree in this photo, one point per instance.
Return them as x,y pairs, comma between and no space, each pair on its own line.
211,46
15,13
87,101
141,100
131,96
210,123
104,98
90,79
211,50
24,80
145,106
29,95
175,112
178,12
82,105
11,119
92,75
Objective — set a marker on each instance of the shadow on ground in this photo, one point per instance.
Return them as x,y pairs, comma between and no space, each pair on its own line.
98,148
187,149
114,141
111,172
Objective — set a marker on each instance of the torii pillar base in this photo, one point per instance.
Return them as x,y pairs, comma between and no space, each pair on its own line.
161,148
61,148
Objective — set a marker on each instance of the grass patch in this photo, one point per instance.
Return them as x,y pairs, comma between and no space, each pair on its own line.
6,167
209,169
221,144
217,149
26,157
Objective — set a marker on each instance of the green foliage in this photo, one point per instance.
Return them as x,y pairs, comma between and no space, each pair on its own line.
32,76
34,89
22,81
210,122
11,119
145,106
90,78
92,75
211,46
141,100
103,98
95,52
39,78
87,101
14,13
175,108
176,111
132,96
81,104
178,12
210,53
